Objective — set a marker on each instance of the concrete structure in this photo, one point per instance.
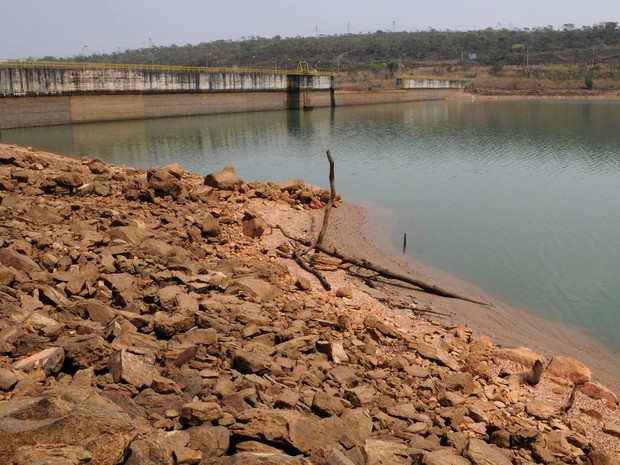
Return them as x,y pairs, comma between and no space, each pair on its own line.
33,79
38,94
409,83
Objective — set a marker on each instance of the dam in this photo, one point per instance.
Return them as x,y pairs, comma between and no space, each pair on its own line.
50,93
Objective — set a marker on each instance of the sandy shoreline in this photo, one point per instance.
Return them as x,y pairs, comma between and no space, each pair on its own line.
356,227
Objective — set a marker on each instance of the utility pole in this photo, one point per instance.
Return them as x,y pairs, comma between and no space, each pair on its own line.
527,56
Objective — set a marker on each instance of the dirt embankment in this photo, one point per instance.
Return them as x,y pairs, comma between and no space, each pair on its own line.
147,318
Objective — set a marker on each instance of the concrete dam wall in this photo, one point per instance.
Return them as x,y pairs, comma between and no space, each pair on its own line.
409,83
40,95
18,81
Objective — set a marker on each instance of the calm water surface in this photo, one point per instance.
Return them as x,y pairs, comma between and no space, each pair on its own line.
520,198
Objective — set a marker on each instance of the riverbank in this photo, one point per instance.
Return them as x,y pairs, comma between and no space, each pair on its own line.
153,317
506,325
361,231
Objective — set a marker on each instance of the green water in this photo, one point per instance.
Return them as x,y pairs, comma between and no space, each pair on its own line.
520,198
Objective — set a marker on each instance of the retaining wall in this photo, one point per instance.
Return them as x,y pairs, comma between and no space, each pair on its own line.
429,83
44,111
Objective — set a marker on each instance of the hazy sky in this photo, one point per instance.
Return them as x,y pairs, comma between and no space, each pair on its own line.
36,28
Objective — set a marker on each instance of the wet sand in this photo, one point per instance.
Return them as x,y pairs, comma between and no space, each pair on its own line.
363,230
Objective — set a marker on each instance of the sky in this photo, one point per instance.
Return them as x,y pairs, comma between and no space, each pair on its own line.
65,28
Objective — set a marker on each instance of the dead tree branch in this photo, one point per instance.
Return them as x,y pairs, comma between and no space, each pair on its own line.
330,203
424,286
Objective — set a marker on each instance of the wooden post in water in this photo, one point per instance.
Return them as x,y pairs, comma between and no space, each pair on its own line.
405,243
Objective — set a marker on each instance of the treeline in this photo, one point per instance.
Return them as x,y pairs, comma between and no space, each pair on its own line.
588,45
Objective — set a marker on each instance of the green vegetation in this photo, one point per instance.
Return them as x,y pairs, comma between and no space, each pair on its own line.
599,44
510,58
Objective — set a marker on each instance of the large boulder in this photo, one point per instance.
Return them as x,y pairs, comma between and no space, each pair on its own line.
165,182
226,179
569,368
64,421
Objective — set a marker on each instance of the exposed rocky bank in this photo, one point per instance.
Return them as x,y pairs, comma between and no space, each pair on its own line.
146,318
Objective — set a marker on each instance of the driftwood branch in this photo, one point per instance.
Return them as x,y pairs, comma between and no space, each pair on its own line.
330,203
304,266
332,196
424,286
300,261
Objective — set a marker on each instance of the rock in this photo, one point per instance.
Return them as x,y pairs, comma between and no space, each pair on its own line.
303,284
7,276
8,379
344,292
540,409
360,395
262,458
98,167
164,183
86,351
404,411
254,225
283,428
336,457
569,368
42,214
226,179
130,234
7,158
252,287
202,193
210,226
598,457
131,368
324,262
160,448
197,413
450,399
212,441
185,455
553,447
334,350
520,355
599,392
248,362
372,322
73,417
612,429
18,261
481,453
384,452
325,405
70,180
166,326
51,454
99,312
436,354
49,360
446,456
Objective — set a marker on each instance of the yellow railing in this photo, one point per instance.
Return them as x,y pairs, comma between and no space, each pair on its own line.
162,68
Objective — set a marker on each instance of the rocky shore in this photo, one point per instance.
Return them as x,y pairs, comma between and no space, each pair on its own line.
146,317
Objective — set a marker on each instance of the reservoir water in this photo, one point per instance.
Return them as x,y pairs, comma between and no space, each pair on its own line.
520,198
